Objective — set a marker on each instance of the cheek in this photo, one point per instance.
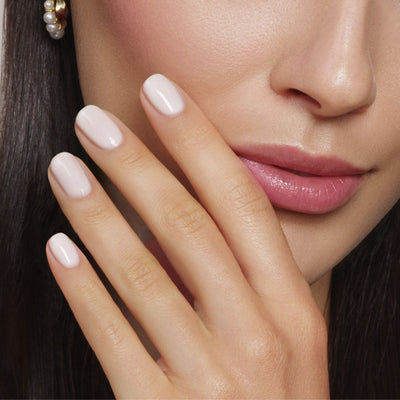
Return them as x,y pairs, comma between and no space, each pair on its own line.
185,40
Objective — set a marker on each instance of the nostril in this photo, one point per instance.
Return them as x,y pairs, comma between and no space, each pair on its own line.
299,95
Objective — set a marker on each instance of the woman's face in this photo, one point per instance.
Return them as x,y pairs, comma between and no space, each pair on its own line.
322,76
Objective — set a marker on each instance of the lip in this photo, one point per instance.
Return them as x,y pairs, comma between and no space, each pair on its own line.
297,181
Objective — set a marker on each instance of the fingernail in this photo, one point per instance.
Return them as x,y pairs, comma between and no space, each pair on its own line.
164,96
64,250
70,175
99,127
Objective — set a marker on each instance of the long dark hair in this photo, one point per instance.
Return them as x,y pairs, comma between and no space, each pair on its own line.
43,353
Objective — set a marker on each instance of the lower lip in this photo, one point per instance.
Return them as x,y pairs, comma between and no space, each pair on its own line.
306,194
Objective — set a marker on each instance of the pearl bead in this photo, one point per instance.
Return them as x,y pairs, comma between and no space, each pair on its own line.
48,5
52,27
57,35
49,17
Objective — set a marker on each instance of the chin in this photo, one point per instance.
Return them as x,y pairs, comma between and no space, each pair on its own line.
318,242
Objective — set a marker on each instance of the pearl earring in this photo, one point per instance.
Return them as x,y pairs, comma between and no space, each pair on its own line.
55,16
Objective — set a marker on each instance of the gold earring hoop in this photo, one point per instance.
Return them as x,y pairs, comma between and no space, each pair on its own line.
55,17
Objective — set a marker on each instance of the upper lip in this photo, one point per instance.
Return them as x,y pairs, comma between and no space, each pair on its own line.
291,157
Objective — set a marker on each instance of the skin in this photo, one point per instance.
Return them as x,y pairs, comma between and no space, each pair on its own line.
259,74
348,64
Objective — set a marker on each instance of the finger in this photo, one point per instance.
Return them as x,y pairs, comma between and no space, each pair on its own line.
120,352
227,189
185,231
133,271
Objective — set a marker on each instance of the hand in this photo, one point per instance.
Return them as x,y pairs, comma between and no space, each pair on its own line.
254,331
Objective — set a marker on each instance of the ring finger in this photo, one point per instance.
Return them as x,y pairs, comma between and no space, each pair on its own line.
143,285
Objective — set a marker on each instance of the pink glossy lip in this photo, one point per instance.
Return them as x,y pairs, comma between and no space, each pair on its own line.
297,181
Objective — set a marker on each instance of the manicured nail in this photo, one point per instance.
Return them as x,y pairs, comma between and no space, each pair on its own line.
99,128
64,250
70,175
164,96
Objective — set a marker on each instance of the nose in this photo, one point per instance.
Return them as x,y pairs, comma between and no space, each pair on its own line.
329,69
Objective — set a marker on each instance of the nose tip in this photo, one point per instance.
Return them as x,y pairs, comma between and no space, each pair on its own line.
327,90
329,70
337,93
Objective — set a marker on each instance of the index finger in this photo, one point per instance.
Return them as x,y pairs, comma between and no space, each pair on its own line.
228,190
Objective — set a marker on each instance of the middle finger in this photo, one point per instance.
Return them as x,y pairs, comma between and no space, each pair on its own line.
185,231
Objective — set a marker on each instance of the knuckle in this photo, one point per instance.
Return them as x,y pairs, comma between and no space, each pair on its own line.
311,338
142,274
246,197
267,347
96,214
222,385
88,293
279,352
185,217
311,325
133,160
225,390
197,139
113,333
110,331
